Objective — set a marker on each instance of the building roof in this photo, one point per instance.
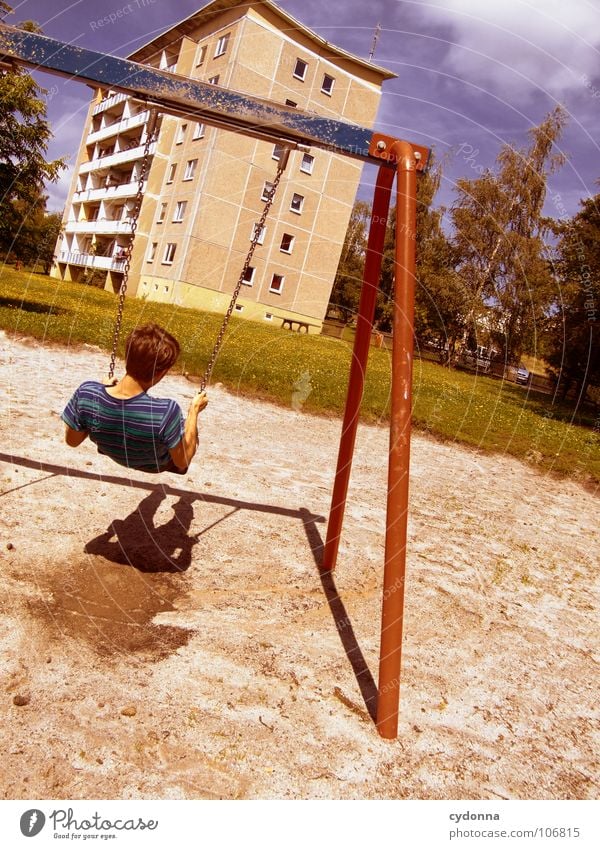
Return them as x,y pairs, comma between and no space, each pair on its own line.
214,9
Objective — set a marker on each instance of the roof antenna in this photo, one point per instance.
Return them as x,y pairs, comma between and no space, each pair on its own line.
375,40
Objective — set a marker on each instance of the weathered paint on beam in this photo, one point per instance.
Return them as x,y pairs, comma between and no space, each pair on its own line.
181,96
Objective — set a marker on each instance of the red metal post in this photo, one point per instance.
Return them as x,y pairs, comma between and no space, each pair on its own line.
399,457
360,355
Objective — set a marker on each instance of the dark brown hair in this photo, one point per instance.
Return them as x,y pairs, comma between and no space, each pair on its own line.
150,350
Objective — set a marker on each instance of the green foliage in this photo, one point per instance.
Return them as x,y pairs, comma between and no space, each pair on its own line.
499,233
439,297
268,362
345,294
36,239
439,289
24,138
574,339
439,293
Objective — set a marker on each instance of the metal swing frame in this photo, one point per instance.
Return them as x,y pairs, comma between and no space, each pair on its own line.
396,158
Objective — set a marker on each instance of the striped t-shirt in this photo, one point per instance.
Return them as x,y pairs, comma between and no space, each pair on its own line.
134,432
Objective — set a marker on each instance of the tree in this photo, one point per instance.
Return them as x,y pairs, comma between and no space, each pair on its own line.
574,341
24,137
499,237
37,237
348,279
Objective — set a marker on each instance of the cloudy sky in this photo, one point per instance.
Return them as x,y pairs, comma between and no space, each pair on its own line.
472,75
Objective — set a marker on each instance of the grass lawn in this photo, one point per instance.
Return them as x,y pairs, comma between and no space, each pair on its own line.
261,360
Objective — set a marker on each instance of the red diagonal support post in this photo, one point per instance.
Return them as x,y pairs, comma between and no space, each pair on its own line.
360,355
399,457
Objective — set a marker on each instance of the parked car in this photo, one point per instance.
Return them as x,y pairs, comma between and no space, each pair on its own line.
522,375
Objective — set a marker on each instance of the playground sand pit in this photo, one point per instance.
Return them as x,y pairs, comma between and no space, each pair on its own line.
172,638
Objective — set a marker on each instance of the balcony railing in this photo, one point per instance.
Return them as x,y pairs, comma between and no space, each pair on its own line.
106,263
118,127
109,102
106,192
113,227
104,162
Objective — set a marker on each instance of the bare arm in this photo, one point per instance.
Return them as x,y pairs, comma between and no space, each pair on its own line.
74,437
183,454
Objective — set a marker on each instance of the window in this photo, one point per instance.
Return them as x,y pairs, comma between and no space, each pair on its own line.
261,234
249,276
291,103
180,210
222,45
152,252
297,203
307,163
201,55
277,284
278,151
171,173
213,80
300,69
161,213
239,308
287,243
181,133
327,84
267,189
190,169
169,253
268,316
199,131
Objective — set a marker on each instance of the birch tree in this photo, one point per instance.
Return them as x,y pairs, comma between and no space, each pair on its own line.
500,235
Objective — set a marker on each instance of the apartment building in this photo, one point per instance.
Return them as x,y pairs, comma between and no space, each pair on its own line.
205,188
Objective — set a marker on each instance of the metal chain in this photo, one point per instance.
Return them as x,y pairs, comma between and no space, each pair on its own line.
257,232
137,205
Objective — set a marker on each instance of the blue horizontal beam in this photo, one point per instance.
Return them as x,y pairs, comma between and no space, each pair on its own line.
181,96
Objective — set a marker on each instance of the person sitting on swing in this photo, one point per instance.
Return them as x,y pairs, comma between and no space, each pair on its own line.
131,427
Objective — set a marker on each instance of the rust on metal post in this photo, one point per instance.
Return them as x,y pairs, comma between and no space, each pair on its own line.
360,355
390,656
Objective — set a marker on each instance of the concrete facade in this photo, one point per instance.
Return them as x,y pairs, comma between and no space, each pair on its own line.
203,192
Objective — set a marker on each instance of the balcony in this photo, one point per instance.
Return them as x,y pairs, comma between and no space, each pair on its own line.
118,127
109,102
106,263
113,159
106,193
101,226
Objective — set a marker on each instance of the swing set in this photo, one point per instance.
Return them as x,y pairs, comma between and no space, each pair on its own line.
292,128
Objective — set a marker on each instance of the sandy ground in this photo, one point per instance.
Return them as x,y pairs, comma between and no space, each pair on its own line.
173,639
